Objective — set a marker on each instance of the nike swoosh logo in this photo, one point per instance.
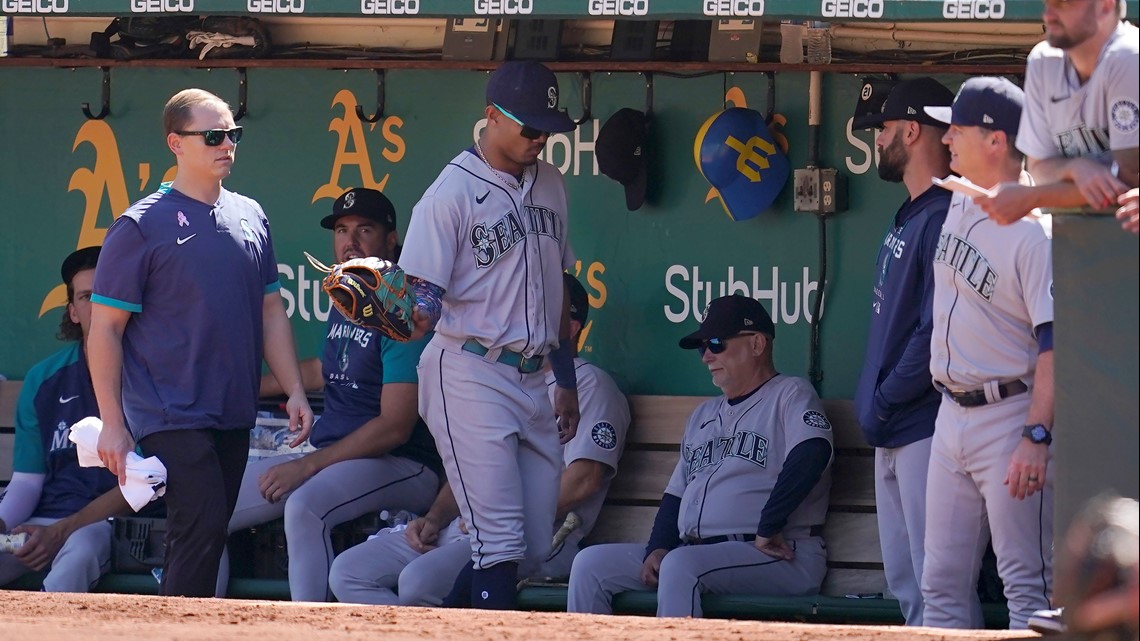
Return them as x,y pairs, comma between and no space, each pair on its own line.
182,240
1056,99
68,399
706,423
480,199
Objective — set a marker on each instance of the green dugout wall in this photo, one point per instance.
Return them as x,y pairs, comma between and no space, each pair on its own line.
649,273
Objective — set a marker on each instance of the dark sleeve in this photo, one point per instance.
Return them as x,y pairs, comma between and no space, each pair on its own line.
802,469
910,378
665,534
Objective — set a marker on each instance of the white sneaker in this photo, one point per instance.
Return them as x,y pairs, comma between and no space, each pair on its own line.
1048,622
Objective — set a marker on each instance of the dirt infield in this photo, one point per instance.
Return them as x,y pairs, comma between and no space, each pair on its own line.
32,616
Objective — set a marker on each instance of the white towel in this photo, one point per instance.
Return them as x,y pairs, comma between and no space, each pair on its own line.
146,477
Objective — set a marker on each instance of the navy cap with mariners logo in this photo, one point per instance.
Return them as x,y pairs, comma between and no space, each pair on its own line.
579,300
621,153
991,102
364,202
908,101
728,316
529,91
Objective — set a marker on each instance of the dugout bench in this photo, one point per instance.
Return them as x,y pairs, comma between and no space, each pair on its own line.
854,591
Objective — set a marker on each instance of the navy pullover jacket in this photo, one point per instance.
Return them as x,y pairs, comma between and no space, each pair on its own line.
895,400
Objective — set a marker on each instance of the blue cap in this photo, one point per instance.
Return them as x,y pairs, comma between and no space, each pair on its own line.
741,160
728,316
991,102
529,91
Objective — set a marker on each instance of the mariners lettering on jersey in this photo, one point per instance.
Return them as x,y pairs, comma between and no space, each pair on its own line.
895,243
490,244
1082,141
970,264
746,445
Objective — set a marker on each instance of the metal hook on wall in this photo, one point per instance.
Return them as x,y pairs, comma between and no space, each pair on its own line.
106,109
242,87
587,97
771,98
648,93
379,115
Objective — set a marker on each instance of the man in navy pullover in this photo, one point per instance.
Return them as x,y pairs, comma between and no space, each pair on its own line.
896,401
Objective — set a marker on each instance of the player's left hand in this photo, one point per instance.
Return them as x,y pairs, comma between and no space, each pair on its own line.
1129,212
43,544
566,409
775,546
1096,182
300,418
1011,202
281,479
1026,474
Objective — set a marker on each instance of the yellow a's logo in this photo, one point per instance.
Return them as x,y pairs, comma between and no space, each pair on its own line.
106,178
352,148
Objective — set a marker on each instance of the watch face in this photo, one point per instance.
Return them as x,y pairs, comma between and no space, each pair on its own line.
1039,433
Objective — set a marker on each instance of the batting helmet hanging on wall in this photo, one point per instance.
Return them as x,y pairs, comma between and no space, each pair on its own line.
741,159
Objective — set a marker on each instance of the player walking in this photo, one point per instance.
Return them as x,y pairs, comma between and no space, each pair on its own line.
992,358
486,248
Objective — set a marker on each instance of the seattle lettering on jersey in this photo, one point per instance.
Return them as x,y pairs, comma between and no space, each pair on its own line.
490,244
746,445
965,259
1082,141
895,243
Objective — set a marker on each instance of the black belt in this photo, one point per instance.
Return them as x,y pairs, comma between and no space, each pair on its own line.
747,537
524,364
977,398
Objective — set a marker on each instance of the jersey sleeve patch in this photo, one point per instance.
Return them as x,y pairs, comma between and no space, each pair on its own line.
813,418
604,435
1125,115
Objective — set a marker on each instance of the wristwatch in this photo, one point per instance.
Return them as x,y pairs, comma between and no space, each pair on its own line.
1037,434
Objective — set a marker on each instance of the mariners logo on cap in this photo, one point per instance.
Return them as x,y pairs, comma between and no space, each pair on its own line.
349,199
552,97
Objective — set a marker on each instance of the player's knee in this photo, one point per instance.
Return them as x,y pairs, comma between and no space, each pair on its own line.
675,569
586,566
415,589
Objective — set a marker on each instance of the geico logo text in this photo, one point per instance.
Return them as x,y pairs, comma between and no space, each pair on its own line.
852,8
743,8
619,7
275,6
162,6
389,7
973,9
503,7
34,6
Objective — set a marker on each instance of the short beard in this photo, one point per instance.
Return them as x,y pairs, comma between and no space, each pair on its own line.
892,162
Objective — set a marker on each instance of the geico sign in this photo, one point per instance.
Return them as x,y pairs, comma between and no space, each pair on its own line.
618,7
34,6
973,9
162,6
741,8
275,6
503,7
852,8
389,7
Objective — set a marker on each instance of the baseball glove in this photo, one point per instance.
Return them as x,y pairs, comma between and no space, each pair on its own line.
371,293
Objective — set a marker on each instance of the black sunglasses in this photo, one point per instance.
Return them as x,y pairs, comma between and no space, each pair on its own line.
718,345
214,137
528,132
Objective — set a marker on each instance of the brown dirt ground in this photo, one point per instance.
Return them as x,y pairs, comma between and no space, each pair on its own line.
33,616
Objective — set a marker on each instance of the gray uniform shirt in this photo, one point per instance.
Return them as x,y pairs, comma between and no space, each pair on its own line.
498,253
992,285
731,456
1064,118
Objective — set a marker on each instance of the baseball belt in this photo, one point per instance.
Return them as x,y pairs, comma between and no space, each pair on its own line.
977,398
524,364
747,537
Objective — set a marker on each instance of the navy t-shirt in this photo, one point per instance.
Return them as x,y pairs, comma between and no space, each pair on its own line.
356,363
195,276
895,399
56,394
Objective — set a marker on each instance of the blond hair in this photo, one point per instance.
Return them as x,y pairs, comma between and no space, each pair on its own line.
178,109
